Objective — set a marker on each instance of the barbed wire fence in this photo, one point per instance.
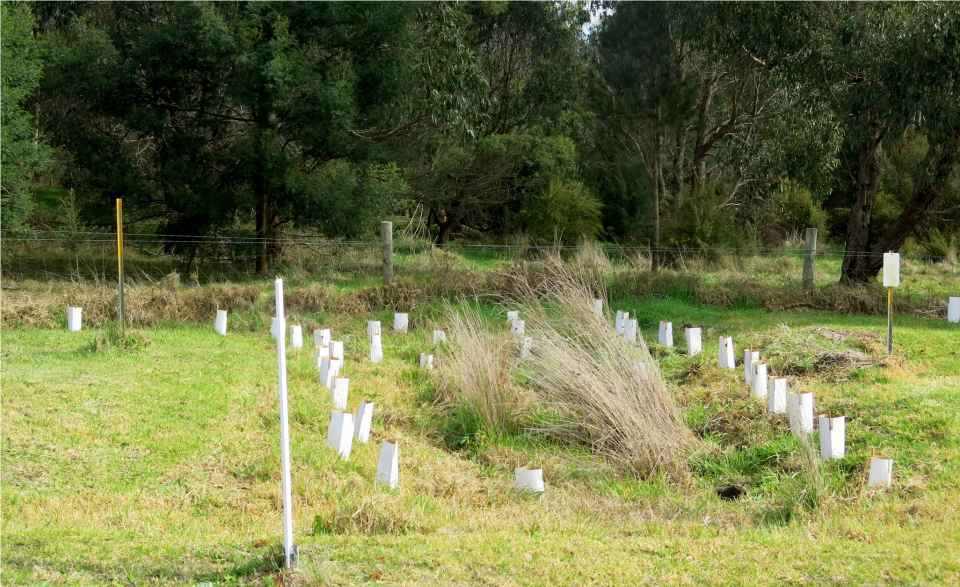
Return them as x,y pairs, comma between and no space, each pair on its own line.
91,255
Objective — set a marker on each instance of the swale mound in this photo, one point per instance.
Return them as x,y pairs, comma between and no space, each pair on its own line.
827,353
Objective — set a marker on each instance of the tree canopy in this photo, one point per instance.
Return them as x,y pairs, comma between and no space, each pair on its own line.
682,126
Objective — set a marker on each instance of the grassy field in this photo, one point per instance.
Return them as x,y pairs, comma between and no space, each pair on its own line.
160,465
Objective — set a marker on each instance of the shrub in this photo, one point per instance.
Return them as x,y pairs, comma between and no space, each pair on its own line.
791,210
566,210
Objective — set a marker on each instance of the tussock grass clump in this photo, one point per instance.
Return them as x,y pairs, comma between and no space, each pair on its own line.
111,338
591,258
605,393
475,373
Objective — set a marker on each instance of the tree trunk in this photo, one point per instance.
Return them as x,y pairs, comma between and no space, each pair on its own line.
262,224
701,145
445,223
859,267
656,255
261,183
925,198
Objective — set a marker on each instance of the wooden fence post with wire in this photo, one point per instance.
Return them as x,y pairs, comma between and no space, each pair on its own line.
386,233
809,258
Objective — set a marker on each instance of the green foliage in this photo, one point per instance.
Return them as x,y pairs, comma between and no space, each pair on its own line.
24,156
706,220
346,200
940,244
676,122
792,209
565,211
463,428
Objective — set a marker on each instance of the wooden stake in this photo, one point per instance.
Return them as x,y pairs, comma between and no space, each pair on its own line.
120,309
889,320
386,233
809,258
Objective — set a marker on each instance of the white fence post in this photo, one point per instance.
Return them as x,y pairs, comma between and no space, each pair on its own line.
289,552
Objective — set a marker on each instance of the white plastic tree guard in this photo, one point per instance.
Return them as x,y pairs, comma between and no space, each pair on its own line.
329,369
401,321
758,382
321,337
749,357
439,336
619,320
891,270
694,340
364,420
529,479
323,352
296,336
376,348
219,323
279,321
340,393
800,412
953,310
881,472
665,336
726,359
388,465
512,315
630,328
518,327
273,327
598,307
373,327
75,319
777,398
832,437
526,344
426,361
336,350
340,433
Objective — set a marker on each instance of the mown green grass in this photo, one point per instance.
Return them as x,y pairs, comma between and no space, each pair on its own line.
161,466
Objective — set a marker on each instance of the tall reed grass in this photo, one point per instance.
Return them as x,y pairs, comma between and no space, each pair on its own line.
605,393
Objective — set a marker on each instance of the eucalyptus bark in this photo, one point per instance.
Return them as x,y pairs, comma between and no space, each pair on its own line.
865,258
857,266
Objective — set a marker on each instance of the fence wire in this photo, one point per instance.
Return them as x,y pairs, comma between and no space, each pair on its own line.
65,254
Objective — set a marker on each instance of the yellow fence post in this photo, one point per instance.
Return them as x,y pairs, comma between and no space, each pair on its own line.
120,310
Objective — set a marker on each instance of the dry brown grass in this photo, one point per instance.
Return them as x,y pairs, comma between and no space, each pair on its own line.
591,259
145,305
604,392
475,370
37,304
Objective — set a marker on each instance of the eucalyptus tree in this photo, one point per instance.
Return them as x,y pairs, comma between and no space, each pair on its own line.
518,69
707,123
887,71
